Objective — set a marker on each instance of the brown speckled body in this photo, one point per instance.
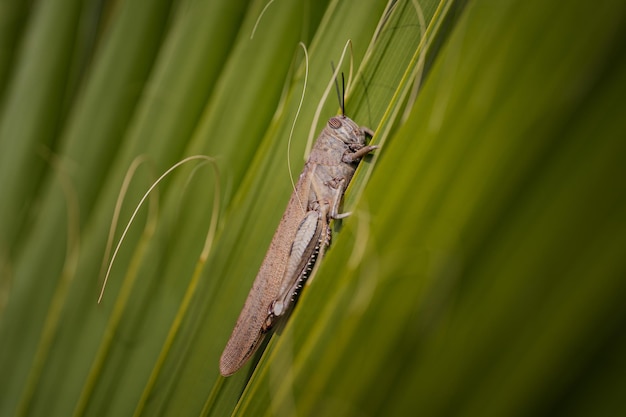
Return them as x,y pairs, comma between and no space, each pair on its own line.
300,238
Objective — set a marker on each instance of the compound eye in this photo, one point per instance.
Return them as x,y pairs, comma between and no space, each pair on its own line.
334,123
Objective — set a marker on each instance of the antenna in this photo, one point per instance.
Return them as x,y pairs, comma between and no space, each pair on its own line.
340,94
343,95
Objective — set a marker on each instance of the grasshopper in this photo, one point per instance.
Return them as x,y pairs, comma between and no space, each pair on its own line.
302,236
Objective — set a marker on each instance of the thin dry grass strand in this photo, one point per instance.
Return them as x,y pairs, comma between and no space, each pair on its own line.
295,119
73,222
52,320
259,18
130,174
60,169
210,237
208,241
139,205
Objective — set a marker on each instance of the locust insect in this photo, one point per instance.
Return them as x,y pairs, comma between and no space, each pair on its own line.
302,235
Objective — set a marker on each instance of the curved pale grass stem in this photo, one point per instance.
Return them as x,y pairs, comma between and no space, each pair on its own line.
212,227
295,119
259,18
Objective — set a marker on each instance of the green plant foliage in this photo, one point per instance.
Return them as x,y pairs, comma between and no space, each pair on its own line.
481,272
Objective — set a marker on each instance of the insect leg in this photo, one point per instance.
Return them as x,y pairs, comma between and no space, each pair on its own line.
369,132
350,157
339,187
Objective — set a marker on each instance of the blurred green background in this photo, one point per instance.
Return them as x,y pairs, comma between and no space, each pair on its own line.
481,273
